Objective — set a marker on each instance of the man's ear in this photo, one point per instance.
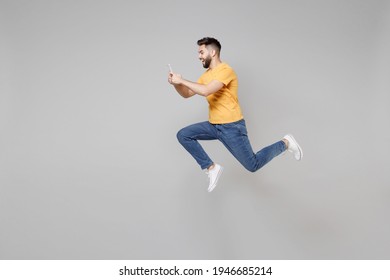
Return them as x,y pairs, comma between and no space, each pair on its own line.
213,52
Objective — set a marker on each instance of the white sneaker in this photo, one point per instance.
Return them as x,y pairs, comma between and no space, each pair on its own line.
293,147
214,175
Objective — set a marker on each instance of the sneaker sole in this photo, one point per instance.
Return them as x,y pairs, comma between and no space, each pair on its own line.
210,189
299,147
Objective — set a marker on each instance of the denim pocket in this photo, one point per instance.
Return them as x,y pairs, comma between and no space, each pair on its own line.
242,128
234,129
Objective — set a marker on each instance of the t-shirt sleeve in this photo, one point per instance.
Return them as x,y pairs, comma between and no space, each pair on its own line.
225,75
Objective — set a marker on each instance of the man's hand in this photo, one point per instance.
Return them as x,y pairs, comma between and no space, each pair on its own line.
175,79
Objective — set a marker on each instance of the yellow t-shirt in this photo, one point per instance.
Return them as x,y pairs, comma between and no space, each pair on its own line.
223,104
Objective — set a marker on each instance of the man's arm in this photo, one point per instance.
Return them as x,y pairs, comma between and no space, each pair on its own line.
184,91
187,88
204,90
181,89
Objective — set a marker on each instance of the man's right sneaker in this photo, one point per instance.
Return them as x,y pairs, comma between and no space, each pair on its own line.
214,175
293,147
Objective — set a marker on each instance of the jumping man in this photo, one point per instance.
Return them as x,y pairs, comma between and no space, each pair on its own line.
226,123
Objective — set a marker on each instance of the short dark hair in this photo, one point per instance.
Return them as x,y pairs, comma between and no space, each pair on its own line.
209,41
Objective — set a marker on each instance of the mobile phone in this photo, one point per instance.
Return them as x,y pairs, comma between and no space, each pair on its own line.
170,68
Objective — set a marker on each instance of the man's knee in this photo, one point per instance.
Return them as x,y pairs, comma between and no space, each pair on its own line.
251,169
180,135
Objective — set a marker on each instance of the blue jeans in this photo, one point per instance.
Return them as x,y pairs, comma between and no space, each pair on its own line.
235,138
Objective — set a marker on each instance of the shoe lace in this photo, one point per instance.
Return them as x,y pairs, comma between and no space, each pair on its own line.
208,175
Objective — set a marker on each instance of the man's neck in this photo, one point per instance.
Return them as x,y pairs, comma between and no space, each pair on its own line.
214,63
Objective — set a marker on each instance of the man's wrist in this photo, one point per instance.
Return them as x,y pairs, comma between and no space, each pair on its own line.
182,82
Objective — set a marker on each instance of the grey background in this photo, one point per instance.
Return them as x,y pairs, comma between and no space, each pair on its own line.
90,167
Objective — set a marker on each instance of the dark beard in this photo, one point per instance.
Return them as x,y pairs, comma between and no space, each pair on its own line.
207,62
